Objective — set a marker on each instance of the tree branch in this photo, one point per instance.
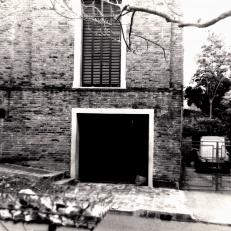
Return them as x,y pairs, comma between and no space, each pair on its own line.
69,7
215,91
155,43
127,45
128,8
114,4
208,23
53,3
171,9
122,13
130,29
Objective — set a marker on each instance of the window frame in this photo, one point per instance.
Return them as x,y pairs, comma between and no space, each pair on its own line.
78,49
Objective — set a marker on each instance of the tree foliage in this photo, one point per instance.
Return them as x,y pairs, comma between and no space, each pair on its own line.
212,78
227,101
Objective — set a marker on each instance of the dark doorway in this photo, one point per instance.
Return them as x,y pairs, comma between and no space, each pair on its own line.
113,147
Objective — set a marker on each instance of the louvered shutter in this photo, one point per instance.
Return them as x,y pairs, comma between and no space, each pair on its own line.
101,50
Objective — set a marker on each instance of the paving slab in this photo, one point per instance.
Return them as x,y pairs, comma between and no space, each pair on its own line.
209,207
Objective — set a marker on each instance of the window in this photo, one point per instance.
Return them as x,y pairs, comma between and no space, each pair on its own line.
101,62
101,47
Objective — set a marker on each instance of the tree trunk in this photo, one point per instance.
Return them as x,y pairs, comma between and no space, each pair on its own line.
210,108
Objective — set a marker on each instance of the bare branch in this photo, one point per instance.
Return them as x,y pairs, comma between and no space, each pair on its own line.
218,85
114,4
99,17
130,30
69,7
94,8
123,12
153,42
171,9
208,23
128,8
122,30
53,3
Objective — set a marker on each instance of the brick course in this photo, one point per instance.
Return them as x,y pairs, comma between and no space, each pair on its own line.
36,78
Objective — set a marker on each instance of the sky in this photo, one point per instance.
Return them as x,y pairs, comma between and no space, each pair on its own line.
194,38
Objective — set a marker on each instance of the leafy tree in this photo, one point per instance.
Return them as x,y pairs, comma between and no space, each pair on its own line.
212,78
226,102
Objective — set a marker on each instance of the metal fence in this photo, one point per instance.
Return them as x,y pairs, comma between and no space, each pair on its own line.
206,165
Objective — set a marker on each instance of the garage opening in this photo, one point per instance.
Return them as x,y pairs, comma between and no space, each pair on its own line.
112,147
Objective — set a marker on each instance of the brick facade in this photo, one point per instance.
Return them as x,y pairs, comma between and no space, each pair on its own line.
36,76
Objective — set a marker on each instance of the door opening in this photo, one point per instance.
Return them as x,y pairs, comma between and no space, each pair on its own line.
112,147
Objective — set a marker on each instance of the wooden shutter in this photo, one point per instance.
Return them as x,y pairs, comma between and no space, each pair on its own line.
101,50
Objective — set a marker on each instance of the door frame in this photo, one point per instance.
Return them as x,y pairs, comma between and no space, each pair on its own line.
74,168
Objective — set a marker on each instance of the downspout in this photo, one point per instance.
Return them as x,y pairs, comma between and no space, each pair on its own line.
171,57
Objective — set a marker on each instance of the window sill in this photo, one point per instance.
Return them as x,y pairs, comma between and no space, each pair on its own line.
76,85
100,88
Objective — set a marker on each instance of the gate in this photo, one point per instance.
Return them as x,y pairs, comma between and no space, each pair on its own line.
206,164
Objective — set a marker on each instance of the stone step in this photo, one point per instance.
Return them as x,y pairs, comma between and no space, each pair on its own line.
66,181
31,172
18,167
55,176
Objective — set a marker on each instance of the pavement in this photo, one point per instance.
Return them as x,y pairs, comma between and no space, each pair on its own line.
119,222
163,203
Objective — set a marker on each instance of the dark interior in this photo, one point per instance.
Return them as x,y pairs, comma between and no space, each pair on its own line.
2,113
113,147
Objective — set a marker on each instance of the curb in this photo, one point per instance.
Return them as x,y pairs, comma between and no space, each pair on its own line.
166,216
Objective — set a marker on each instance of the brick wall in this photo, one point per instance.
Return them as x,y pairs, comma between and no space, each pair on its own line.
36,88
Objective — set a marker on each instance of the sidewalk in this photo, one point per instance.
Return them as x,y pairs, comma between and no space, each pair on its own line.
166,204
163,203
211,207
